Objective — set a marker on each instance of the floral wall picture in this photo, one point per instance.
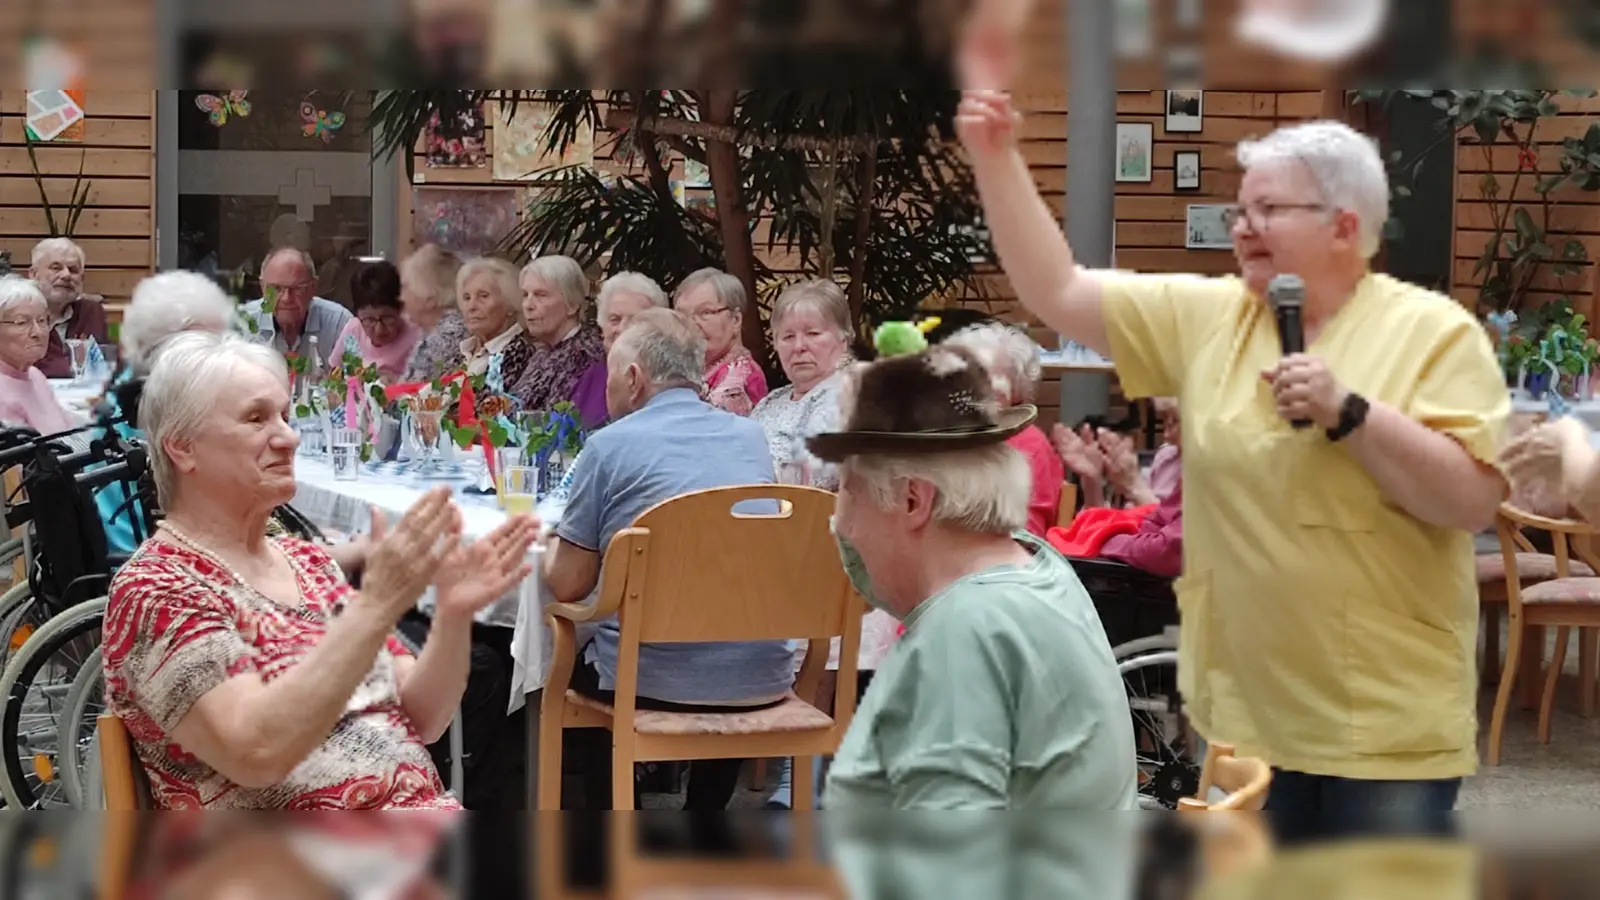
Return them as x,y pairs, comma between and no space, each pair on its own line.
467,221
459,143
1135,146
519,143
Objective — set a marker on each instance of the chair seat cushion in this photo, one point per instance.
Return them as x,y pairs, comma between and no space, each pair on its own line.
1530,567
791,715
1563,590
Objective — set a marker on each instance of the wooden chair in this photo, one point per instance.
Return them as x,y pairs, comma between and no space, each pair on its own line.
1067,506
1564,602
693,569
127,794
1240,840
1532,568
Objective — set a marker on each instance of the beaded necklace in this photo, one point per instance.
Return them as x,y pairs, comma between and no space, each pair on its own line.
301,576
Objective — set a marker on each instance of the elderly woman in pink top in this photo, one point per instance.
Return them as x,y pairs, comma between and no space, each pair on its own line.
25,395
1157,545
715,302
380,333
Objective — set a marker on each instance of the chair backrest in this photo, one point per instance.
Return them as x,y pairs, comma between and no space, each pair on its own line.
699,571
121,773
1067,506
1568,538
1246,780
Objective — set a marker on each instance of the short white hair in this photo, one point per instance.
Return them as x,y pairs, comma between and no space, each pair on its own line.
666,346
57,246
629,283
304,258
15,291
169,303
565,275
1010,356
820,295
729,290
984,490
182,390
1344,163
502,274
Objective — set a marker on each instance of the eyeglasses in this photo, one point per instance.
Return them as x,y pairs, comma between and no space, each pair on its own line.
41,323
706,315
1260,215
379,321
288,288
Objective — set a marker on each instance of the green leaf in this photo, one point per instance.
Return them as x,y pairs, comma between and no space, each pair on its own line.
1488,128
1489,186
1524,224
302,411
378,394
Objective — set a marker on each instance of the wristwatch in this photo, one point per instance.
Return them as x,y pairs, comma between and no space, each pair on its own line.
1352,415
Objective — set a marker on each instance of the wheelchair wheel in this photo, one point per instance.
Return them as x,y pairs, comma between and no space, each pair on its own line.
35,687
1168,766
18,619
79,716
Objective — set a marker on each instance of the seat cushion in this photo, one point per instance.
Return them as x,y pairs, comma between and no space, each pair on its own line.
1563,590
792,715
1530,567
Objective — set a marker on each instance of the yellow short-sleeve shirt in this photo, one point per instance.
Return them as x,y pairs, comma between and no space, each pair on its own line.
1323,628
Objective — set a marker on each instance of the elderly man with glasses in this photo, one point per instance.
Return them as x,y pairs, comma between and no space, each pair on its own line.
57,267
290,277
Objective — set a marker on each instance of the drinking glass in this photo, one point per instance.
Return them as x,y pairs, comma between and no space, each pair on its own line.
426,428
519,489
346,452
79,349
506,458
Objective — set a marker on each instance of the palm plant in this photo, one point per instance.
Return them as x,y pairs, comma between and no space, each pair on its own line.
862,183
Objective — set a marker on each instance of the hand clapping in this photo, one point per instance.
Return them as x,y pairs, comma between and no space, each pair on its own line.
1544,461
403,562
478,574
1080,452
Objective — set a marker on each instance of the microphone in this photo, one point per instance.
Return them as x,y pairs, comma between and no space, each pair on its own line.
1287,294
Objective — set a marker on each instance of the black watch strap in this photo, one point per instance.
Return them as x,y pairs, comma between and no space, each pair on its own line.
1352,415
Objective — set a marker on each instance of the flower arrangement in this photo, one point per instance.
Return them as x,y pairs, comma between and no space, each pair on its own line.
364,398
555,432
1548,353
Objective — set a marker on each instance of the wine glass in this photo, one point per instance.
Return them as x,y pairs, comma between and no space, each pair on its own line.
425,427
79,350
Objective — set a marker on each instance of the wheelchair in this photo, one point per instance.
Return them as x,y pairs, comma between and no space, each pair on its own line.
1139,612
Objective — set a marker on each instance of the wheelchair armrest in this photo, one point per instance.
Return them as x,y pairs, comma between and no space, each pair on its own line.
1100,574
86,588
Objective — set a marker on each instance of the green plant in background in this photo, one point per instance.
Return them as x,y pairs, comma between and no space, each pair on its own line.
1520,243
78,199
862,183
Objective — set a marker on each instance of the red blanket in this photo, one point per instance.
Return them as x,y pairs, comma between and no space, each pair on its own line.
1093,526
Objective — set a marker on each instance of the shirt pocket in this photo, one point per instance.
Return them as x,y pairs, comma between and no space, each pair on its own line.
1330,489
1409,684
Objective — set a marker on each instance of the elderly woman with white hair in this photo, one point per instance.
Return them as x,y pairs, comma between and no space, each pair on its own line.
623,296
715,301
428,301
566,348
25,395
1329,594
489,298
1012,359
1003,693
250,675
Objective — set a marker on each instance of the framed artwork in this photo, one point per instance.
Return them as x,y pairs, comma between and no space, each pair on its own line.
1135,148
1185,110
467,221
460,143
1186,170
519,142
1207,227
696,174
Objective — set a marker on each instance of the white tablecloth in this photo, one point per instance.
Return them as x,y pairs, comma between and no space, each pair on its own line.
74,397
346,506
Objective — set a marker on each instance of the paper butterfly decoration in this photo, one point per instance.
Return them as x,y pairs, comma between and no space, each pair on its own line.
219,108
319,122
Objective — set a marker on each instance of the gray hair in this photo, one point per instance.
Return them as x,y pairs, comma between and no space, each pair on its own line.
1344,163
169,303
181,390
565,275
820,295
730,290
1010,356
629,283
503,274
982,490
432,270
304,257
16,290
666,346
57,246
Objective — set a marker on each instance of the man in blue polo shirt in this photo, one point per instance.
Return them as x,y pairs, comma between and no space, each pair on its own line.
298,314
665,441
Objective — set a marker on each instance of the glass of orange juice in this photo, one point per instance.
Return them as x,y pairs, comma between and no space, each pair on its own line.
518,489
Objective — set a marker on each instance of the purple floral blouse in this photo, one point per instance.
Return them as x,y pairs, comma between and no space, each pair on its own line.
439,352
551,374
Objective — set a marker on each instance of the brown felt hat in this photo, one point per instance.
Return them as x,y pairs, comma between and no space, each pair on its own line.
935,401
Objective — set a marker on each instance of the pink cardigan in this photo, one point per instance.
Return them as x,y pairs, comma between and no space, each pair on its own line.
26,399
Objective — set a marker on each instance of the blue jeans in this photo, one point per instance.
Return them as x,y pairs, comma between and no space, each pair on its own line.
1305,807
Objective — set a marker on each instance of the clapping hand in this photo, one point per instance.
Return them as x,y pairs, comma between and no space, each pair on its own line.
1546,461
479,573
1122,460
1080,452
403,562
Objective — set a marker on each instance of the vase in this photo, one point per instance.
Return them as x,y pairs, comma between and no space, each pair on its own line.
1537,384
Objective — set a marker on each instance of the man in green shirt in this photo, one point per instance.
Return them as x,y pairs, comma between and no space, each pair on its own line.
1003,693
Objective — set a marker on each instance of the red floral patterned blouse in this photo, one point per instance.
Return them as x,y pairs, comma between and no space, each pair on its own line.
178,624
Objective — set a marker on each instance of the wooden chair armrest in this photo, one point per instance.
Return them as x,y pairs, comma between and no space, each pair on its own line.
613,569
1531,520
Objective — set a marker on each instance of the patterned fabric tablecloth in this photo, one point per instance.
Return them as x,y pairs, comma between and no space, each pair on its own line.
345,506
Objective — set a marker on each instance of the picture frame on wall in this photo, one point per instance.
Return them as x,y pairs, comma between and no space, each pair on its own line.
1206,227
1135,151
1186,170
1185,111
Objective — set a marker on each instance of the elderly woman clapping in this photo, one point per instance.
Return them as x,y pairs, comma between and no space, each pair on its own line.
25,395
1012,359
555,295
250,675
1003,693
